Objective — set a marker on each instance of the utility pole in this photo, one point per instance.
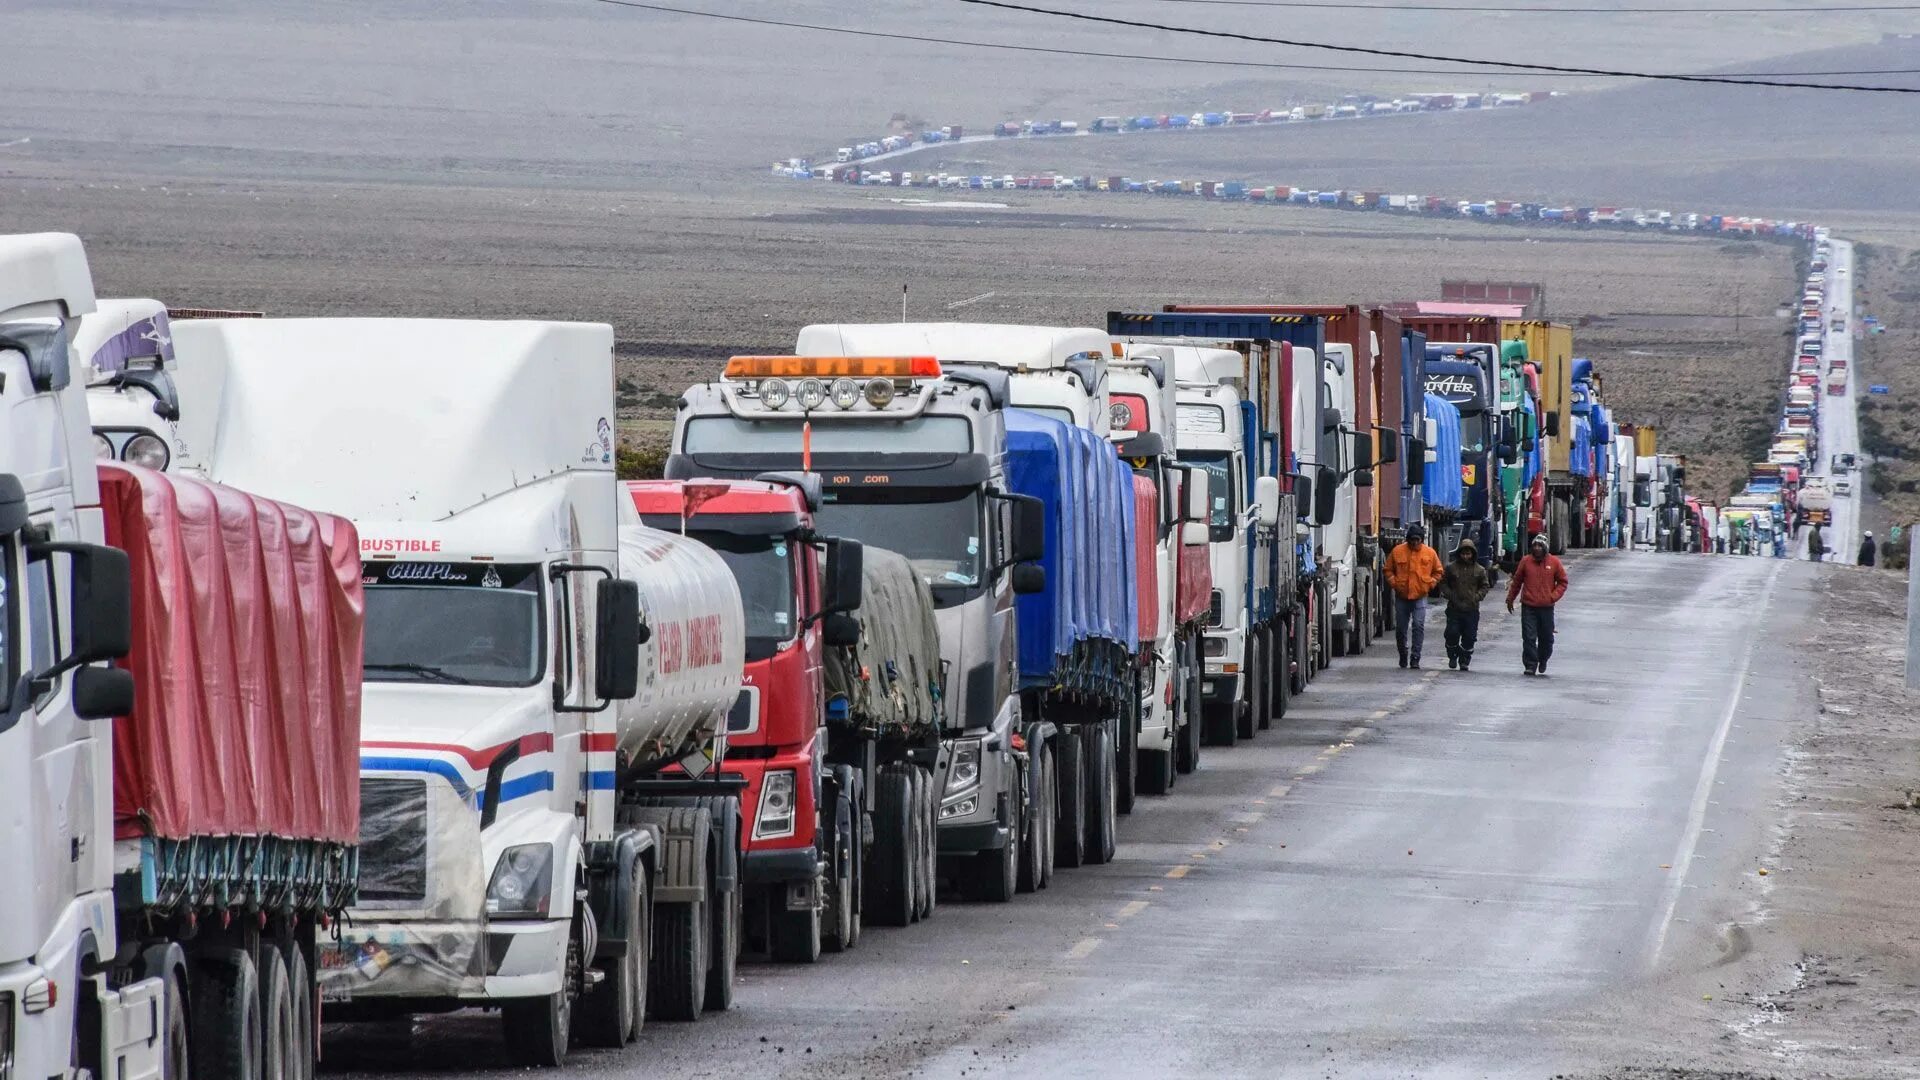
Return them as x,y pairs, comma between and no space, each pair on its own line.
1913,608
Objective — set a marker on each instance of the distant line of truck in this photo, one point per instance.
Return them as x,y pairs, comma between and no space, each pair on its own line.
917,606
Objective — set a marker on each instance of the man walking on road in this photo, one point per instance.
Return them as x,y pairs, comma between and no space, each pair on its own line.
1816,547
1867,550
1538,581
1412,570
1464,585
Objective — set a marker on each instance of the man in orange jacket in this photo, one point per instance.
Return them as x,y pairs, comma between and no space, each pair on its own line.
1538,581
1412,571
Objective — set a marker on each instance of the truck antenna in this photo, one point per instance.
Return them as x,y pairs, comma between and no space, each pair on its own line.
903,301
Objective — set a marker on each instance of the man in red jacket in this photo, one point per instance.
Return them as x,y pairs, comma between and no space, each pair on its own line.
1539,581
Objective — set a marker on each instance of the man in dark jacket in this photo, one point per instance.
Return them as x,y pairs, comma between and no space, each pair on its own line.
1866,550
1464,585
1538,582
1816,545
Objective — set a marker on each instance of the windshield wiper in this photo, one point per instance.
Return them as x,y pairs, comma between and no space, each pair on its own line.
438,674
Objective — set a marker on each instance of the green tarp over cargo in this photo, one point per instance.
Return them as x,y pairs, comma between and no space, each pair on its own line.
891,679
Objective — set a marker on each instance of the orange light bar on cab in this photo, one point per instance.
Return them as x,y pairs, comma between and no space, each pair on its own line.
833,367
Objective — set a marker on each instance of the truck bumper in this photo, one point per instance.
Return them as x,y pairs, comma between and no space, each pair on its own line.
1220,689
464,961
779,867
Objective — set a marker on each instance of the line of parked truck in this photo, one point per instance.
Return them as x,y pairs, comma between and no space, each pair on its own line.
919,608
1350,106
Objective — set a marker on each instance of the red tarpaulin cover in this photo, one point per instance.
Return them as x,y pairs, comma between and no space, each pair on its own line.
1146,561
247,619
1193,588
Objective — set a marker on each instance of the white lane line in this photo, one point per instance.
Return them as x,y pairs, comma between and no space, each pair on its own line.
1697,814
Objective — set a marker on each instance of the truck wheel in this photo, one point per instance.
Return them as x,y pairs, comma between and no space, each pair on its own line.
178,1063
1070,799
226,1028
917,841
1218,721
1126,758
929,842
837,933
1267,652
306,1042
1102,796
1247,714
1340,640
607,1016
1353,634
1277,676
996,874
1044,818
677,983
728,915
1156,771
794,935
1035,868
889,871
277,1018
1188,759
1302,663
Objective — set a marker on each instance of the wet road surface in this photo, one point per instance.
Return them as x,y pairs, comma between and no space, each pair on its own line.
1411,873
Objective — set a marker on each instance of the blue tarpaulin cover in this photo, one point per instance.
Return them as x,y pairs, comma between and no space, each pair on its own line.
1088,495
1442,485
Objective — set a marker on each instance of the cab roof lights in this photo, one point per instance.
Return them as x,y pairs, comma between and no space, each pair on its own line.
829,367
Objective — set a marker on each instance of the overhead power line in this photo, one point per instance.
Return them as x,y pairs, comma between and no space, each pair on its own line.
1540,9
1476,62
1204,61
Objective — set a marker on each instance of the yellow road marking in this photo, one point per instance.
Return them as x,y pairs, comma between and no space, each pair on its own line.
1083,948
1179,871
1280,791
1133,908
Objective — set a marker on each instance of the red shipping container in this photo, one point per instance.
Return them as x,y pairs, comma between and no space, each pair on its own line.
247,623
1146,555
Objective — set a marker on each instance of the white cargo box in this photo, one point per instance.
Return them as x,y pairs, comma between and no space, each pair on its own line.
1034,348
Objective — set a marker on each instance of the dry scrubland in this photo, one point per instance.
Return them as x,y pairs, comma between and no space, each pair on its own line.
1888,287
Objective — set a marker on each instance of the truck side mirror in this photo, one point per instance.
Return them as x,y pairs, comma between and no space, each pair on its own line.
1389,446
845,562
618,634
1510,453
102,592
1428,454
1029,530
1302,494
1363,478
1199,497
1195,534
1643,493
1330,420
1417,451
840,630
1029,578
1553,424
13,505
102,693
1326,497
1362,450
1266,501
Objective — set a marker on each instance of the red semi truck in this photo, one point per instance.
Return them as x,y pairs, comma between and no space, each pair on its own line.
836,735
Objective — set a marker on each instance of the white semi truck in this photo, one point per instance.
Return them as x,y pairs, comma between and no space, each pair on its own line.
547,681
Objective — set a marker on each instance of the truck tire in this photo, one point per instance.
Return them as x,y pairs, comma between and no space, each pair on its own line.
1278,676
1188,759
888,884
995,876
837,932
1070,799
677,982
177,1064
226,1029
793,936
1103,797
1354,645
610,1015
1035,868
929,841
1126,759
306,1028
917,842
726,938
1302,662
1247,717
1556,527
278,1022
1341,638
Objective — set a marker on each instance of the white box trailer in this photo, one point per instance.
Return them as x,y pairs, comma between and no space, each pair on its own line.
546,680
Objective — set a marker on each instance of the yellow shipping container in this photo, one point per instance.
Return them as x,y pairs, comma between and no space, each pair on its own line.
1643,440
1550,346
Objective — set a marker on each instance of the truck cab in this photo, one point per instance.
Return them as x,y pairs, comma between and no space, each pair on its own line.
911,455
1463,374
517,782
125,353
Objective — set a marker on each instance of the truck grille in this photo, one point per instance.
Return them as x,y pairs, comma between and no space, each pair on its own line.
1216,608
393,840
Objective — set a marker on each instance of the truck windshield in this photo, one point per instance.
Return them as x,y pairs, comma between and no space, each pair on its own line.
474,624
940,531
763,565
1220,485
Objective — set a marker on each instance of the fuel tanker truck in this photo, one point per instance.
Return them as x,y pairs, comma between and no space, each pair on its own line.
544,828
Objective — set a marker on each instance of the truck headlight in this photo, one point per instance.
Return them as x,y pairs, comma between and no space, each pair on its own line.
146,451
775,818
102,447
1213,646
963,769
522,881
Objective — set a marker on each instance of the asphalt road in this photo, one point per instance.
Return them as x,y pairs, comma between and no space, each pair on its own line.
1839,428
1427,873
